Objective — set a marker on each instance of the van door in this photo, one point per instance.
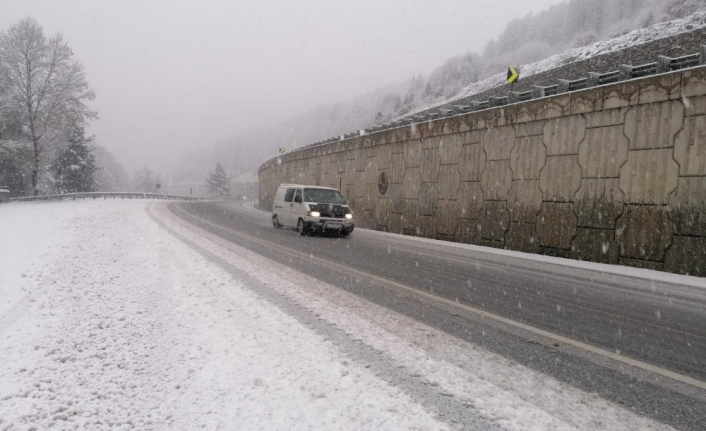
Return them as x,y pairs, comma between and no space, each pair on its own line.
278,204
287,208
298,207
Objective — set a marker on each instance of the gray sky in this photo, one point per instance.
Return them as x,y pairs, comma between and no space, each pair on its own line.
172,75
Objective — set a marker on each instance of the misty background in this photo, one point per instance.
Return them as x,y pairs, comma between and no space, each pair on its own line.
182,85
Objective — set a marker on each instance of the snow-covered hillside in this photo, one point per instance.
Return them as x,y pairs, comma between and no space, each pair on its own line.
471,73
630,39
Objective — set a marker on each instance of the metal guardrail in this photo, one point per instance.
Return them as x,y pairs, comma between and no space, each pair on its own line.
516,97
631,72
565,86
624,72
595,79
666,64
106,195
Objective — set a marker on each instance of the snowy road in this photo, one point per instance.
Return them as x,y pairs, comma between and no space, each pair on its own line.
118,315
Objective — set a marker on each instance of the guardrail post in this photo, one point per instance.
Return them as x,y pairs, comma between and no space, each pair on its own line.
513,97
664,64
562,86
593,79
475,105
495,101
625,72
537,91
702,54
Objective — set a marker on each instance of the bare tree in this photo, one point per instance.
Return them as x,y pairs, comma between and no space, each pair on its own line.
46,89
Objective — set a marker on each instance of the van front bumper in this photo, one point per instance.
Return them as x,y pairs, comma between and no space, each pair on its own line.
315,223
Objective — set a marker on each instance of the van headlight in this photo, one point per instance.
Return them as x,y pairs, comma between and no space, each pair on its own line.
314,214
349,216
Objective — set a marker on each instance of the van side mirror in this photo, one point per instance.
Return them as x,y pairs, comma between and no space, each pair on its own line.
298,199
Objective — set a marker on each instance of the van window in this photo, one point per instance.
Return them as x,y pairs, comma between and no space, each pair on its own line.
324,196
290,194
298,196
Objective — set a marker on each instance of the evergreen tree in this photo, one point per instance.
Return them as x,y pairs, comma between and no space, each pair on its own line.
146,181
12,177
218,182
111,175
75,167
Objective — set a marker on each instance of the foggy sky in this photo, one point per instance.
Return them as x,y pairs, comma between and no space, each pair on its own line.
174,75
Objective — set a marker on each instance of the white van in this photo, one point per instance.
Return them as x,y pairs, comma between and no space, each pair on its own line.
312,209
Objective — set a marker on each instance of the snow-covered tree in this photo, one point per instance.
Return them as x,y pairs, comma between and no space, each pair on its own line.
111,176
219,182
12,176
453,75
45,88
73,171
682,8
146,181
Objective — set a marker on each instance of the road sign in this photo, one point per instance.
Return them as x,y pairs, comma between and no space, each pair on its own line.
282,150
512,74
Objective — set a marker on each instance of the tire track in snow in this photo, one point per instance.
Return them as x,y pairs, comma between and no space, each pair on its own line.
458,414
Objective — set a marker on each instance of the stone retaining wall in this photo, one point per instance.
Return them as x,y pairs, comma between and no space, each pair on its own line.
613,174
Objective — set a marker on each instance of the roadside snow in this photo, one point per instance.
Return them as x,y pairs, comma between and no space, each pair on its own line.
27,233
128,328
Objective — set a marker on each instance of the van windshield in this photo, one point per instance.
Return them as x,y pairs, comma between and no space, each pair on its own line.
323,196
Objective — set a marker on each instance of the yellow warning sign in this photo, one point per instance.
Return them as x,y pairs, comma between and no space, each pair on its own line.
512,74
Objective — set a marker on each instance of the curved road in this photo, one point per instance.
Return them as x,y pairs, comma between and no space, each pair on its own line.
635,341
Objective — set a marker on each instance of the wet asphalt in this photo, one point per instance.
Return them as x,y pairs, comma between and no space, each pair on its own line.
658,323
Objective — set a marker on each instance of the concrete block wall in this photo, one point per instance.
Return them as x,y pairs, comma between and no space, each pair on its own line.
613,174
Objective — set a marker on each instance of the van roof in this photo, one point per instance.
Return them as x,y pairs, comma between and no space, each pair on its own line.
307,186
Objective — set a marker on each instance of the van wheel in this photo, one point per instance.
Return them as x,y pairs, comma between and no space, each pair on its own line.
301,228
275,222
